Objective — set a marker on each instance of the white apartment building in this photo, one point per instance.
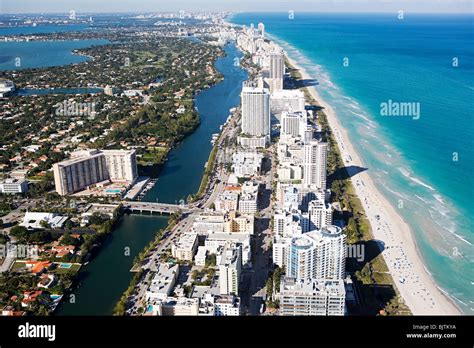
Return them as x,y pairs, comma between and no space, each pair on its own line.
228,200
83,169
293,124
291,100
209,223
89,167
315,164
226,305
256,111
320,214
121,165
276,71
163,282
229,259
185,247
13,186
248,202
312,297
247,164
200,257
280,250
214,241
178,306
319,254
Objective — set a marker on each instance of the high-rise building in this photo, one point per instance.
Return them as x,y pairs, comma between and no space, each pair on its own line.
261,30
277,65
319,254
286,100
312,297
79,172
320,214
121,165
229,259
256,111
294,124
276,71
90,167
315,164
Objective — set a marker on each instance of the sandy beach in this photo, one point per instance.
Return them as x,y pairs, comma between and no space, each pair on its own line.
414,283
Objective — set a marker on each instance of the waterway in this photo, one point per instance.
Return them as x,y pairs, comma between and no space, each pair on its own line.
107,276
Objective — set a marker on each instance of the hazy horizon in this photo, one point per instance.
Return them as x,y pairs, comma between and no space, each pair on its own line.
151,6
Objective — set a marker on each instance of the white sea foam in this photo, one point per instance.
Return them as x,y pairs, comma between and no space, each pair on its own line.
463,239
406,174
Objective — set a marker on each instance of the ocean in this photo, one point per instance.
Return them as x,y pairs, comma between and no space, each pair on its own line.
421,161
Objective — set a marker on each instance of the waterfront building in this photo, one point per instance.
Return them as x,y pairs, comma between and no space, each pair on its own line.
319,254
261,30
185,247
82,170
315,164
229,259
13,186
109,90
256,112
89,167
121,165
291,100
312,297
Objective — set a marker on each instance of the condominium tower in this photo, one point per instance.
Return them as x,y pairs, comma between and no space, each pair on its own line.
314,164
256,111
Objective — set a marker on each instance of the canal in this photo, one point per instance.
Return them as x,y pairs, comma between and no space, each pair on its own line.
106,277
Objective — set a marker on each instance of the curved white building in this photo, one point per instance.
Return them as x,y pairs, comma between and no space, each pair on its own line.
318,254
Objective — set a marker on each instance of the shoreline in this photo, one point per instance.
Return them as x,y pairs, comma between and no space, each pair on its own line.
401,253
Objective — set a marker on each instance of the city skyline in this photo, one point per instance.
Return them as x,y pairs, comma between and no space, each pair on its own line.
108,6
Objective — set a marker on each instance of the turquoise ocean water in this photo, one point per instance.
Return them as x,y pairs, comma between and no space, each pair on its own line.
427,162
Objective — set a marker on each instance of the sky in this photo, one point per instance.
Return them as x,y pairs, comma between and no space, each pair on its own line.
63,6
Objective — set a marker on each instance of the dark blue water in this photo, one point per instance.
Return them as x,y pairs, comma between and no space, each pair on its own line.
183,171
407,60
37,54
